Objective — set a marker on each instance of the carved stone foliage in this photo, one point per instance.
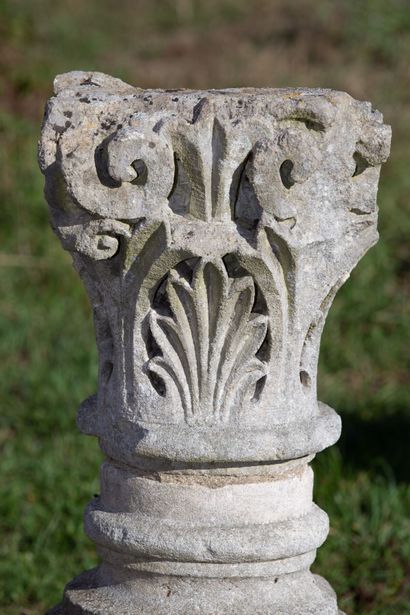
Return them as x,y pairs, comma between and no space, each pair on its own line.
212,230
206,340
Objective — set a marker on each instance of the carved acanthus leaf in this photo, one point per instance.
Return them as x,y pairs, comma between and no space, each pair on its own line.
208,344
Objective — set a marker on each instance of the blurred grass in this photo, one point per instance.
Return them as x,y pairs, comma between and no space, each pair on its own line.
47,349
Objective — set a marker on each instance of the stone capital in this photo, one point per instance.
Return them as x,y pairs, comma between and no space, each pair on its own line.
212,230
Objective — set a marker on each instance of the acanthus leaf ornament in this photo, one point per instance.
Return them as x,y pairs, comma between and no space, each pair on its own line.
208,345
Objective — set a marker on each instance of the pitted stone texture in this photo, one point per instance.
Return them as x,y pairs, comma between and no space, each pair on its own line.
253,523
212,230
290,594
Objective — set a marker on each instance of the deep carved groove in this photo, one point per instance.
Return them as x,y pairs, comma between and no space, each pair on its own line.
305,379
141,170
286,169
260,385
179,197
361,164
245,209
101,164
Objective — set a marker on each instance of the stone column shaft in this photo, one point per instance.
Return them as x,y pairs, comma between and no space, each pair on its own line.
212,230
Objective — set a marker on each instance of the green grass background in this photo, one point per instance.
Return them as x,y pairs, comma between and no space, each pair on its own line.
47,350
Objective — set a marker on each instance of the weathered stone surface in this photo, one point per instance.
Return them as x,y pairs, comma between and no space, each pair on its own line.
212,230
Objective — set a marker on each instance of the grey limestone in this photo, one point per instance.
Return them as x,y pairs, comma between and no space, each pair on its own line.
212,230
